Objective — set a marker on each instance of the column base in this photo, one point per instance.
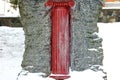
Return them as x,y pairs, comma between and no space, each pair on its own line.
59,76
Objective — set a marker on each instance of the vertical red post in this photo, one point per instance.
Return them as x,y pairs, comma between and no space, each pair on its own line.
60,39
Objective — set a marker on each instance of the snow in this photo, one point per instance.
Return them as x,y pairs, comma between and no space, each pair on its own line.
1,8
6,9
86,75
112,5
111,41
12,49
92,49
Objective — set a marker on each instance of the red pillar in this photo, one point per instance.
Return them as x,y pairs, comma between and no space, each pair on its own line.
60,38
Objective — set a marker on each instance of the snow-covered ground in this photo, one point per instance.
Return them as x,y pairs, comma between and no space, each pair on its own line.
110,32
11,51
12,48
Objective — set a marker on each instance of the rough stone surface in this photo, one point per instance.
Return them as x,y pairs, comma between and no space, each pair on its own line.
36,57
86,45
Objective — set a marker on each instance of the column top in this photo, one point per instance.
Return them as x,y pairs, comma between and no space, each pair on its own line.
54,3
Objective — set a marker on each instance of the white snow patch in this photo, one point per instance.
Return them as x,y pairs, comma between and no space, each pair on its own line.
110,32
95,33
93,49
6,9
25,75
112,5
96,38
11,51
85,75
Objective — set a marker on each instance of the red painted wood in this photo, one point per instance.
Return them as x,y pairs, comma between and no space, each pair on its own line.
60,38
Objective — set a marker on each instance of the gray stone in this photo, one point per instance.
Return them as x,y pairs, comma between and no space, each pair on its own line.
37,30
86,45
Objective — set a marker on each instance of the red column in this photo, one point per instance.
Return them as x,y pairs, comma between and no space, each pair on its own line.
60,39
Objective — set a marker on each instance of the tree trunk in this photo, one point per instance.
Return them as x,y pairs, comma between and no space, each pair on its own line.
86,48
36,57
